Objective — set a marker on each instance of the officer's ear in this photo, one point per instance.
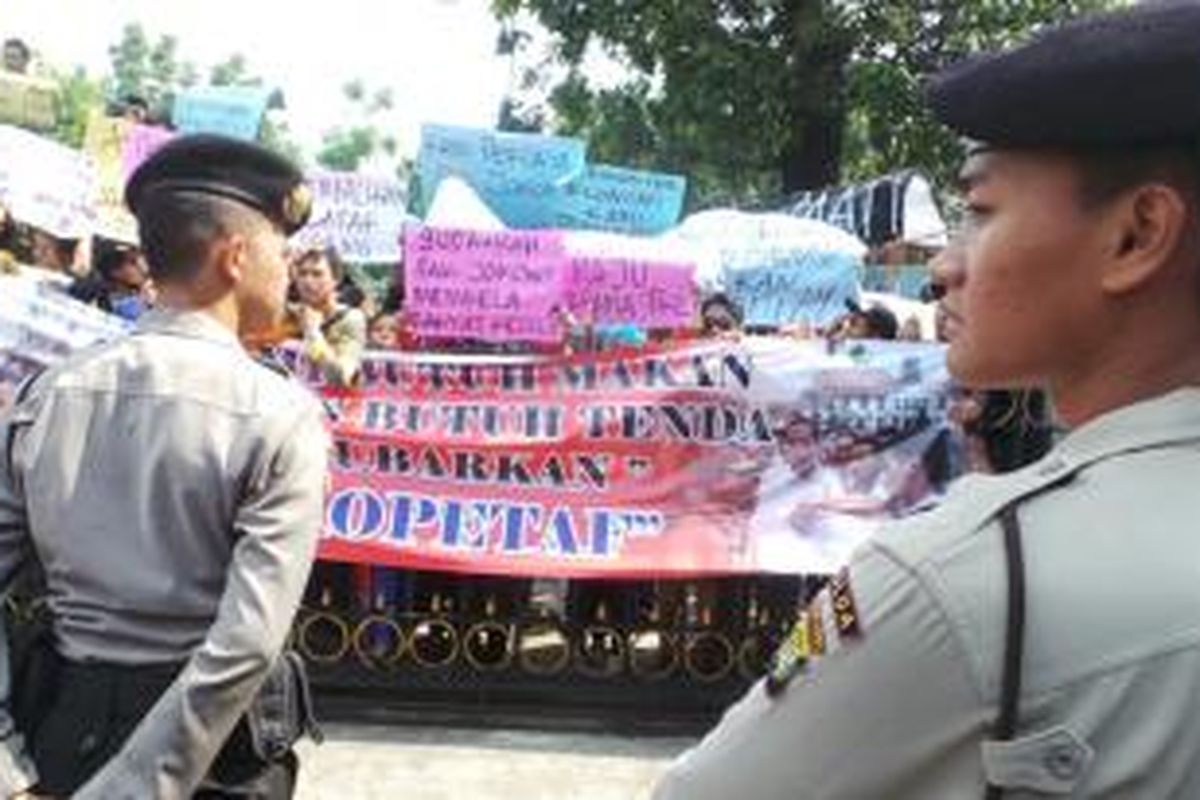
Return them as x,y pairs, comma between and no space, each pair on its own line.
231,256
1147,226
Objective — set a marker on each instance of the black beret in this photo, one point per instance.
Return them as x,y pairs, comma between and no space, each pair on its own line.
229,168
1129,77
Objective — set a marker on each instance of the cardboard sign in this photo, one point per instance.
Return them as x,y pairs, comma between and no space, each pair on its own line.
518,175
235,111
104,142
781,269
612,290
141,142
621,200
794,286
363,216
46,184
494,286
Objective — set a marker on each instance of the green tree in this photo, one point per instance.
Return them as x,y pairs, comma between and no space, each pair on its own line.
78,94
346,147
753,98
233,71
152,71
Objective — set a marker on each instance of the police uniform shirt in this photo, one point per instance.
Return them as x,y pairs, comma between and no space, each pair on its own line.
173,490
895,668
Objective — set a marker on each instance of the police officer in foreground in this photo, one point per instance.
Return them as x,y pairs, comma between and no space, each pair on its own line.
1039,634
171,489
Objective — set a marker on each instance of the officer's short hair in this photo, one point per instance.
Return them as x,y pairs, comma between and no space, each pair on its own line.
178,229
1106,173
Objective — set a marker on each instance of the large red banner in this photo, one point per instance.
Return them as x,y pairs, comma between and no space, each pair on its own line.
763,455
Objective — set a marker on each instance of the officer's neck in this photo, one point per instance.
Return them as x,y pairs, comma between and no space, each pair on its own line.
221,309
1123,377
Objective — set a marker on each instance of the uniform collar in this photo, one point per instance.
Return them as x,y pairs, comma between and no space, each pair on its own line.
1160,421
188,324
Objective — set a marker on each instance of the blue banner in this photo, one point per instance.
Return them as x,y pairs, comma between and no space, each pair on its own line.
519,175
235,111
620,200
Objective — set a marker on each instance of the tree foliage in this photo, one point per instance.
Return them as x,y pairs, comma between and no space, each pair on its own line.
347,147
753,98
155,72
150,70
78,94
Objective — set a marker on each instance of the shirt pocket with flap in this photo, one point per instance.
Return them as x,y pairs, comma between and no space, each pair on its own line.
1052,762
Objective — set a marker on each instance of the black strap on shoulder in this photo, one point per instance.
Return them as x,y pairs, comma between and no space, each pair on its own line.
1014,636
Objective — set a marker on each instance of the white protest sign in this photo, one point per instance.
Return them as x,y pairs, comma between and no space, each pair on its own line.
780,268
46,184
363,216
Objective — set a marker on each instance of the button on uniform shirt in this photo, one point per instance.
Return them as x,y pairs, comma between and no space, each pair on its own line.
172,489
895,668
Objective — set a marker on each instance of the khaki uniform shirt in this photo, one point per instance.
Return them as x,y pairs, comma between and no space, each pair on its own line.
172,489
899,685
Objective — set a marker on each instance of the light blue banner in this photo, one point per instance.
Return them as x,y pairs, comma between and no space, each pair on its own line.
793,286
235,111
621,200
519,175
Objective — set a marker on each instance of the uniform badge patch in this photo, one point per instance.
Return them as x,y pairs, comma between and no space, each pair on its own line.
809,639
791,656
845,611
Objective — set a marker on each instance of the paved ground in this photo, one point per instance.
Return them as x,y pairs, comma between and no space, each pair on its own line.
364,763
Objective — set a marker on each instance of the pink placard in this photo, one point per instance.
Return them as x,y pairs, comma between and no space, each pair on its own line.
494,286
140,144
609,290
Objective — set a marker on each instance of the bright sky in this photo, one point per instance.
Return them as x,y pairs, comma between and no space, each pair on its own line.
437,56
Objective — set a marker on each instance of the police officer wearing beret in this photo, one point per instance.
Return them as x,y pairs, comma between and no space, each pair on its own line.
171,488
1038,635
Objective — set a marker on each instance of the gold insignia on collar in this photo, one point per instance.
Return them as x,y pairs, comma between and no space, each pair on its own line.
297,205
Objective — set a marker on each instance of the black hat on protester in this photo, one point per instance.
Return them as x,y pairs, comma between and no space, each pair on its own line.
1124,78
228,168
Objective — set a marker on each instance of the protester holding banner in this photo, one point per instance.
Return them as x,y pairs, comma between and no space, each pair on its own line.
171,488
1037,633
335,334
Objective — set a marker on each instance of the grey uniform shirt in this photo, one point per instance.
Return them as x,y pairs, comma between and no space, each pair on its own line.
172,488
901,686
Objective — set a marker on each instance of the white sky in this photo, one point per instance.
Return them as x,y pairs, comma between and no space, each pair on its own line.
437,56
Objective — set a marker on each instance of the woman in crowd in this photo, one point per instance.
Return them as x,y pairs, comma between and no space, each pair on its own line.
334,334
720,315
